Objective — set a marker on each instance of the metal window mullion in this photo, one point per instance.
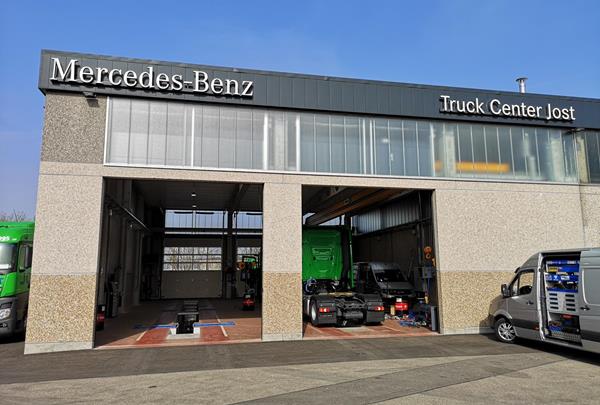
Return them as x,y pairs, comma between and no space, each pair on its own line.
285,144
458,145
576,165
549,150
330,145
184,132
148,135
107,129
485,152
298,156
537,153
512,152
166,131
219,137
389,138
371,143
587,153
498,142
129,132
192,142
524,154
345,147
432,148
403,150
265,141
315,142
373,135
235,138
598,152
418,154
362,140
472,151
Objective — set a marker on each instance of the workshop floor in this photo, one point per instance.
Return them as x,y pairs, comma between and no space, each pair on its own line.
144,326
389,328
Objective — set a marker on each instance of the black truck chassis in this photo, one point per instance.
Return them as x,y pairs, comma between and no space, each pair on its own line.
343,309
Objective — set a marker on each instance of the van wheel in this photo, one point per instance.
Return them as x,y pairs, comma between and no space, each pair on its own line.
314,315
505,331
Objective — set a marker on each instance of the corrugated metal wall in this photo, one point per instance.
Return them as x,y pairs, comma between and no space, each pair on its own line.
398,233
400,212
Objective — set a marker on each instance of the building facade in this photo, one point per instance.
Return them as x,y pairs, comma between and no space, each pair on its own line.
509,174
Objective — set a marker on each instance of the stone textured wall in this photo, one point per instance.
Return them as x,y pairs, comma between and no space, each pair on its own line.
590,208
484,234
282,262
67,225
497,230
73,128
465,298
282,306
61,311
65,263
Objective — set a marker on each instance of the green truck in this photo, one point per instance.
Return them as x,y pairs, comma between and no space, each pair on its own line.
16,250
328,296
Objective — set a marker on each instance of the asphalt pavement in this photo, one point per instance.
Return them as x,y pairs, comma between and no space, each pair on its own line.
434,369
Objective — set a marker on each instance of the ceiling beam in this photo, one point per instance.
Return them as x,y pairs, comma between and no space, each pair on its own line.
236,197
358,201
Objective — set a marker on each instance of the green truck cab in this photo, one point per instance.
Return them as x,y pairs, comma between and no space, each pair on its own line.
328,295
16,250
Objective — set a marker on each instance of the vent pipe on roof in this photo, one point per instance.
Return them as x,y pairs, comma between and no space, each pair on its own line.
521,81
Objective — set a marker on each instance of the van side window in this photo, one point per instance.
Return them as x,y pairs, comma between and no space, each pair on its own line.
523,283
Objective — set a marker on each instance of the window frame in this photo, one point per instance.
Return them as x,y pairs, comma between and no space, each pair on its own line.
203,258
517,279
204,144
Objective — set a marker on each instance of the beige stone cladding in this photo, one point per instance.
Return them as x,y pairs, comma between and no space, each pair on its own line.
485,234
65,262
590,208
61,312
282,306
73,128
282,262
465,298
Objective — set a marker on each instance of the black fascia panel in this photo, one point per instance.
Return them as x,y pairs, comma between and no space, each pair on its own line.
320,93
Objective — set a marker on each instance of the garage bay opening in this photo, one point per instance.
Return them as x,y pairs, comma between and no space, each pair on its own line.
180,263
368,263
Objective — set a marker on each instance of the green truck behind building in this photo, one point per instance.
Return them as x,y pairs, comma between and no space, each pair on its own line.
328,283
16,250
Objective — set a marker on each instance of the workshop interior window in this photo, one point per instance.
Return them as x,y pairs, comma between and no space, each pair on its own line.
195,258
245,251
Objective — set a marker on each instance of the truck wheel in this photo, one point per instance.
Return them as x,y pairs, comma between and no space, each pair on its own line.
505,331
314,314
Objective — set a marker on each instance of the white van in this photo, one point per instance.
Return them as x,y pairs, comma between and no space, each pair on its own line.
554,297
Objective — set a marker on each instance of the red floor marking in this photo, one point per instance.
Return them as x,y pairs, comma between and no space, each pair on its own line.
334,332
210,333
154,336
158,335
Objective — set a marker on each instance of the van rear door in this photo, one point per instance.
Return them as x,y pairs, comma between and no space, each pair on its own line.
589,299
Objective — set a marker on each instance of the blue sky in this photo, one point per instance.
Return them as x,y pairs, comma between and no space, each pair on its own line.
480,44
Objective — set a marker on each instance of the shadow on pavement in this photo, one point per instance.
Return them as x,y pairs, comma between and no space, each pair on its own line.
566,352
93,363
